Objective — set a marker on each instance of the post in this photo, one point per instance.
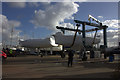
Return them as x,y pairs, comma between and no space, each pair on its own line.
105,36
105,41
83,35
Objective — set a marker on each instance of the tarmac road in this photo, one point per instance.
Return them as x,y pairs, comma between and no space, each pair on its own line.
55,67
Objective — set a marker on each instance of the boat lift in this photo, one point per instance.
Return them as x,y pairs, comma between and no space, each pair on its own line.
98,26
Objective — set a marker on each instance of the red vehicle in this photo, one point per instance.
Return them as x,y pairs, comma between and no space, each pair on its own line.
3,55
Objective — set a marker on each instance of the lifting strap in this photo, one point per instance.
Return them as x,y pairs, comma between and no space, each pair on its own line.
94,37
74,37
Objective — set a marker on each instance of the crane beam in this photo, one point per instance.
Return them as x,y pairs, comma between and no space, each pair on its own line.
70,29
91,24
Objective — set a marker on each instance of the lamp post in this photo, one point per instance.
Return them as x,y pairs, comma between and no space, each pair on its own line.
11,37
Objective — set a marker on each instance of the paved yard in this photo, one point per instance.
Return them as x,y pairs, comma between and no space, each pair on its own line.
55,67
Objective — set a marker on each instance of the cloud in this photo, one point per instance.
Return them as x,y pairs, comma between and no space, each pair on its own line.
17,4
7,29
14,23
112,23
79,0
32,4
44,0
61,0
68,0
100,17
101,0
68,25
38,1
23,4
13,0
54,15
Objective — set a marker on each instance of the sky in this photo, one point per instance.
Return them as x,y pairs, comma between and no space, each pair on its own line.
39,19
